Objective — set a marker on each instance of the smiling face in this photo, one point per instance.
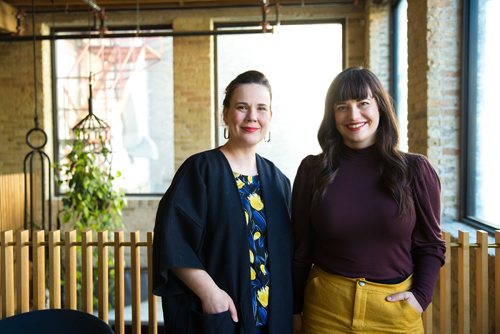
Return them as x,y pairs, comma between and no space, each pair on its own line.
357,121
248,115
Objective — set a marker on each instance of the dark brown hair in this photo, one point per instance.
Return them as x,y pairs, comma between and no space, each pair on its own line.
358,83
248,77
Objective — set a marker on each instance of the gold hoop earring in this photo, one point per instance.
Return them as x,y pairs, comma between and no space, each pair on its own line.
268,139
226,134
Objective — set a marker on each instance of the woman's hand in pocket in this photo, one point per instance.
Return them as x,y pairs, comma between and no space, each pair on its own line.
213,299
218,301
409,297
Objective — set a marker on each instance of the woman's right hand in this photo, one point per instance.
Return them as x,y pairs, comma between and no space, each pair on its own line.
218,301
297,324
213,299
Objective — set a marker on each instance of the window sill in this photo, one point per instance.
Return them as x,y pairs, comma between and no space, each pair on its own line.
453,227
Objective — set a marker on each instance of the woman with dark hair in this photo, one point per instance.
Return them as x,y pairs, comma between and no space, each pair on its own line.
366,219
222,251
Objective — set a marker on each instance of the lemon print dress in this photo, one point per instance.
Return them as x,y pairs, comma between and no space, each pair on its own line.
253,206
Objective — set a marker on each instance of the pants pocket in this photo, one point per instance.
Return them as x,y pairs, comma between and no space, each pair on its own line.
392,317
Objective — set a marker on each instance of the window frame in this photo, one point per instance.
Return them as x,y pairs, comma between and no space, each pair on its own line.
468,115
122,31
395,62
218,25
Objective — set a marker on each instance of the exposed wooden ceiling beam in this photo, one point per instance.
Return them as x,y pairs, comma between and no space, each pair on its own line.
54,5
8,21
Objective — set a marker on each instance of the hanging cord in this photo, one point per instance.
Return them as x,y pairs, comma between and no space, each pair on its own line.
265,10
90,62
34,62
137,25
278,20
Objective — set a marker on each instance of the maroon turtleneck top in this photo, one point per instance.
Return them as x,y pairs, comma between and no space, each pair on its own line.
355,230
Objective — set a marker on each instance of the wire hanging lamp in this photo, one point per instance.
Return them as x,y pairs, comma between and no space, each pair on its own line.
92,130
36,165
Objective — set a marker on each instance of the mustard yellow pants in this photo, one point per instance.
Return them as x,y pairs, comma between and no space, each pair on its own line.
337,304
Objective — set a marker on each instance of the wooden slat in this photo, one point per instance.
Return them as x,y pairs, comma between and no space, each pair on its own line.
119,284
55,269
497,282
87,273
427,319
7,273
153,322
445,289
481,282
22,271
70,269
102,265
11,201
136,281
38,270
463,283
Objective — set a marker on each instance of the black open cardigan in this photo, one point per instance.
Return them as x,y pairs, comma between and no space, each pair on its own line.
200,223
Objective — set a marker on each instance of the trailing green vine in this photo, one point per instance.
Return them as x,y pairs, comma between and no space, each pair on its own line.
91,201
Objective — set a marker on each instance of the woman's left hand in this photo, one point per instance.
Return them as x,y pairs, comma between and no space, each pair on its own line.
409,297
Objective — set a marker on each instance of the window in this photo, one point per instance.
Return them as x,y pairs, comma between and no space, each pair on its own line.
400,73
132,89
300,62
481,118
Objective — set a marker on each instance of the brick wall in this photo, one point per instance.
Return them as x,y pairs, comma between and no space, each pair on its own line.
17,103
434,90
355,42
417,76
194,129
378,41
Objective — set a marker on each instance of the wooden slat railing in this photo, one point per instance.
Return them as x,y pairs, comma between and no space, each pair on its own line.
455,312
447,314
18,276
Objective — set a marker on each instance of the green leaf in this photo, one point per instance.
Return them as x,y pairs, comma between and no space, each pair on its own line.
91,201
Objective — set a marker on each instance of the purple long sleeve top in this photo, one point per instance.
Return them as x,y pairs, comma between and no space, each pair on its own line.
355,231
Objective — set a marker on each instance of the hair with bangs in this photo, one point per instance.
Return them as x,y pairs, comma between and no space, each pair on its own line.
357,83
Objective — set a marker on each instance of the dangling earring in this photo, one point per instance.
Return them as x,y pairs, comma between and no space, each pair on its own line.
226,134
268,137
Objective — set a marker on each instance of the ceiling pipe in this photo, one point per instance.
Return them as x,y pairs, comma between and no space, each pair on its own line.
9,38
98,12
93,5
